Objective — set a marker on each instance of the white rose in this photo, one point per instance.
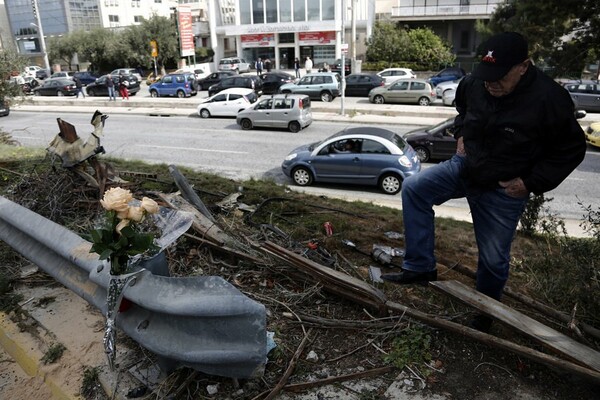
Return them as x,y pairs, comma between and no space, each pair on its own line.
149,205
135,214
121,225
116,199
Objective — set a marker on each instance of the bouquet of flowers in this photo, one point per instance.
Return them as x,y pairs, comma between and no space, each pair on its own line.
122,237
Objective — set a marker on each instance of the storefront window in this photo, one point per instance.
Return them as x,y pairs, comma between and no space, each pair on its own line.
328,10
245,17
271,11
286,38
285,10
258,12
314,13
299,10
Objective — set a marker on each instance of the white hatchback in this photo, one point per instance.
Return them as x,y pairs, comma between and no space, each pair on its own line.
390,75
227,103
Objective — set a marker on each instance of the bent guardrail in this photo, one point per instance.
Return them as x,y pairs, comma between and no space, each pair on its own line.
200,322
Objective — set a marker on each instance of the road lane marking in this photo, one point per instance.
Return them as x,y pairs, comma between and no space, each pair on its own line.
192,148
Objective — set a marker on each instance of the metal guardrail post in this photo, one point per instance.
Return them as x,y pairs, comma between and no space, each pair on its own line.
201,322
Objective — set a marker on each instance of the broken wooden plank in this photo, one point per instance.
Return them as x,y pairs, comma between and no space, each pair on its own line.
333,281
497,342
200,223
549,337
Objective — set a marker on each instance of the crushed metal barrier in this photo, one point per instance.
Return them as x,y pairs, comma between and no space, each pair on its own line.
201,322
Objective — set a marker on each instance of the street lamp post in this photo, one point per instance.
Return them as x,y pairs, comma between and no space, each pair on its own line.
41,34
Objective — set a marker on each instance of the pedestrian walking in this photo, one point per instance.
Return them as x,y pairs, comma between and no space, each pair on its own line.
297,67
308,64
79,87
516,134
123,84
110,85
268,65
259,66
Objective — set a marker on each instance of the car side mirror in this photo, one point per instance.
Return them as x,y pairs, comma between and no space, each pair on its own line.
579,114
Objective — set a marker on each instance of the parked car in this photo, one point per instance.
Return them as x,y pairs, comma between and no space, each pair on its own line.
448,98
445,86
56,87
434,142
180,85
243,81
99,87
361,84
273,80
62,75
585,94
320,85
227,103
214,78
85,77
393,74
362,155
290,111
592,134
337,66
42,73
415,91
127,71
447,74
4,108
31,71
234,64
30,84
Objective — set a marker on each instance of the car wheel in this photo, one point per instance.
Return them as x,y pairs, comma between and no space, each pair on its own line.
302,176
180,94
453,103
326,97
246,124
37,93
204,113
378,99
422,153
390,183
60,94
294,126
153,93
91,92
424,101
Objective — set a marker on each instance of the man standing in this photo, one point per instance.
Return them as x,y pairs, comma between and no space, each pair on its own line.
308,64
259,66
110,85
516,134
79,87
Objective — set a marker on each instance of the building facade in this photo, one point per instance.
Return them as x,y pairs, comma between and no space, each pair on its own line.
282,30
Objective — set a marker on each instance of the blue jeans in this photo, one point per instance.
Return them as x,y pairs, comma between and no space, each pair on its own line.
495,217
111,93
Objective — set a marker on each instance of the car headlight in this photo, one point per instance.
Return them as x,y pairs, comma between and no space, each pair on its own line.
405,162
291,156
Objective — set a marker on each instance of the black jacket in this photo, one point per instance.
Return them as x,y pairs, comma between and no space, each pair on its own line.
531,133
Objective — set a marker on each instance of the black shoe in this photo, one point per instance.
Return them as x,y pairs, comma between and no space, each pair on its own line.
482,323
406,277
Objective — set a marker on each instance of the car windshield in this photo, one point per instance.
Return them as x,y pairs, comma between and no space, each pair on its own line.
447,122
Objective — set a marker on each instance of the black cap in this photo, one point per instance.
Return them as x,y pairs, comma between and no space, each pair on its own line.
501,52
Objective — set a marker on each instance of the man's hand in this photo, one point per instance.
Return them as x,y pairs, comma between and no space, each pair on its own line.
515,188
460,147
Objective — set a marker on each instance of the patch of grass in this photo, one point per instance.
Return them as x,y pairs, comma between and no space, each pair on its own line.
90,384
54,353
8,300
412,347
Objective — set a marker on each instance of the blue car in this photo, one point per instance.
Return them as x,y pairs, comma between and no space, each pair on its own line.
447,74
180,85
363,155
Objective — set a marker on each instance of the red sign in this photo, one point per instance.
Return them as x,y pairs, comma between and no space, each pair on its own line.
186,33
316,38
258,40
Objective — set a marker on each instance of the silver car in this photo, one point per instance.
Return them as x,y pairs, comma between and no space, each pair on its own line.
291,111
416,91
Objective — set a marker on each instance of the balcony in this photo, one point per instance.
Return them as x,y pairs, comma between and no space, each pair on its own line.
444,11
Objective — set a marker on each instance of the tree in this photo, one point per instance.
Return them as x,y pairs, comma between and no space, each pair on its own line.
415,47
564,34
387,43
161,29
11,64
